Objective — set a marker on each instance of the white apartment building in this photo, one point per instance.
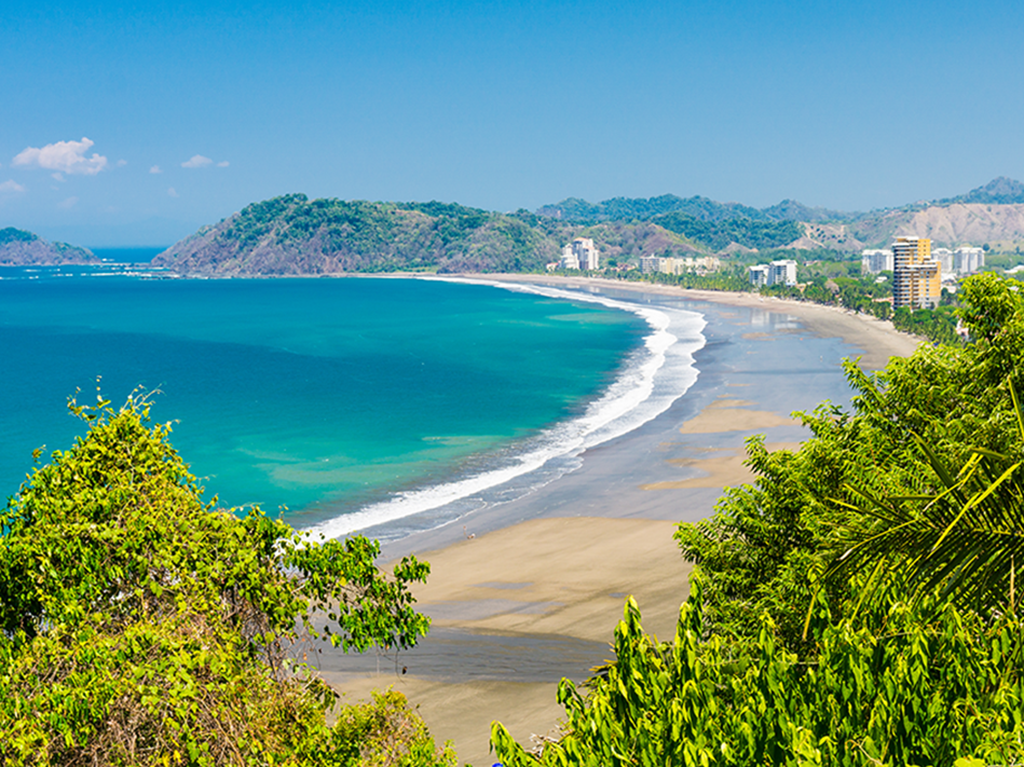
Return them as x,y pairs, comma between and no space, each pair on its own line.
782,272
776,273
875,261
759,275
968,260
685,265
569,259
945,258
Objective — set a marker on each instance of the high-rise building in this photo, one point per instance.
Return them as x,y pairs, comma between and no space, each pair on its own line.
968,260
916,279
776,273
759,275
875,261
945,258
586,252
782,272
569,259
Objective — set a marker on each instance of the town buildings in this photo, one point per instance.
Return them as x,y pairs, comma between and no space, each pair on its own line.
776,273
916,281
875,261
968,260
702,265
581,253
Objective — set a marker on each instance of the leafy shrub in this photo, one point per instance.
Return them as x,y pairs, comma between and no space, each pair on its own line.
140,625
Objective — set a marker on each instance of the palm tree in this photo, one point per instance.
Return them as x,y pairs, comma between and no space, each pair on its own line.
961,542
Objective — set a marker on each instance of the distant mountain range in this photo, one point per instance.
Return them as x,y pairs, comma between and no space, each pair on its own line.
21,248
293,235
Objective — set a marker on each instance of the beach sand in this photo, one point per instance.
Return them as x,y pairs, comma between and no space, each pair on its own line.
530,591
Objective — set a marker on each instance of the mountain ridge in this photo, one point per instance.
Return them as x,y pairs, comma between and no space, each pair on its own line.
293,235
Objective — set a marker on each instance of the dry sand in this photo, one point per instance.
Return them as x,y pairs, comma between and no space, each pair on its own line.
544,578
561,580
541,580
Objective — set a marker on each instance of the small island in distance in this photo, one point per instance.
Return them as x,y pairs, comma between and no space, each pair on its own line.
21,248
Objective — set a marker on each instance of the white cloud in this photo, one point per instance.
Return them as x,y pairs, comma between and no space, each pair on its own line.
197,161
70,202
57,176
11,187
121,163
155,169
64,156
223,164
172,192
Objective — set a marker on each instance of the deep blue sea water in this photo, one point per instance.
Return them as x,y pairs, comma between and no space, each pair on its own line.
345,400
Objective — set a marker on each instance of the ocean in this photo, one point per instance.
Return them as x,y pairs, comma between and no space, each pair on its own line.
343,403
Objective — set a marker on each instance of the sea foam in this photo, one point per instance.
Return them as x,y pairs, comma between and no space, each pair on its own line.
652,377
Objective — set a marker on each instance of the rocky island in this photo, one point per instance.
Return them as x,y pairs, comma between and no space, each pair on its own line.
21,248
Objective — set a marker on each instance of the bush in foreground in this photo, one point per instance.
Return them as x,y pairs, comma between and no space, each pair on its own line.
140,626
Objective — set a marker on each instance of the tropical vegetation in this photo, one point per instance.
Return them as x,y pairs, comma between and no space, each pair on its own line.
858,604
141,625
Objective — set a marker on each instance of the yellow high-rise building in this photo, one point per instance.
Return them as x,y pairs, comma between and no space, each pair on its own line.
916,280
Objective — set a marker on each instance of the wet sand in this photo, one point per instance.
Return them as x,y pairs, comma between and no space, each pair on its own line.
529,591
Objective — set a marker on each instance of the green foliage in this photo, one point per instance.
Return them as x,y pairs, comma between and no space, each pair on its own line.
766,543
139,625
387,733
917,692
640,209
914,648
10,234
292,234
720,280
960,541
937,324
745,231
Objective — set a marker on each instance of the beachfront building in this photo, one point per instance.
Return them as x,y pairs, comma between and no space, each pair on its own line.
684,265
776,273
968,260
916,280
875,261
676,265
759,275
569,259
581,253
782,272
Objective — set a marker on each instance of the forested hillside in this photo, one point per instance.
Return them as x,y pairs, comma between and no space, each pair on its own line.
295,235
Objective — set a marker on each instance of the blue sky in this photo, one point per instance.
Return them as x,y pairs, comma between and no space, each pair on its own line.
497,105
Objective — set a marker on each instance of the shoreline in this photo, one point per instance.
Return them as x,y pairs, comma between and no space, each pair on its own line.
531,590
855,328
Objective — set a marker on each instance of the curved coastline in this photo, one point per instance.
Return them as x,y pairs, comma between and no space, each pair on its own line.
552,569
650,380
879,339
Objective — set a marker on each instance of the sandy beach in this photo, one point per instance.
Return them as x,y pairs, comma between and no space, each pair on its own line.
530,591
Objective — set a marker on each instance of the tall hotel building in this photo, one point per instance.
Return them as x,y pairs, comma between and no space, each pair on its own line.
916,279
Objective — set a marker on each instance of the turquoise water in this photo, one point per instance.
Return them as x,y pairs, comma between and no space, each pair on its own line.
319,395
